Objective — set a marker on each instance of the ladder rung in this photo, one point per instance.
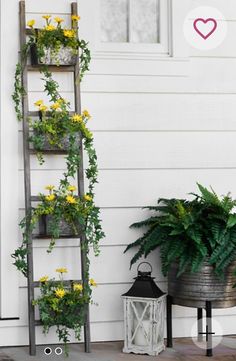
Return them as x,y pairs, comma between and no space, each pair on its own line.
53,68
36,284
41,236
38,323
35,198
49,151
36,114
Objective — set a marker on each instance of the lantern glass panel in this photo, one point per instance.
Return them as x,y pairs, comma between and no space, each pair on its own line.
158,321
140,321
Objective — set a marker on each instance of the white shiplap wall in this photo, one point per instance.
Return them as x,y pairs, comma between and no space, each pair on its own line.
160,125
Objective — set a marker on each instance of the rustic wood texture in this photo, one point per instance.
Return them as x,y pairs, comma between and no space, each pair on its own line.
27,151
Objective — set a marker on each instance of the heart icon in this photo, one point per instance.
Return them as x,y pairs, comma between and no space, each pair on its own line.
205,27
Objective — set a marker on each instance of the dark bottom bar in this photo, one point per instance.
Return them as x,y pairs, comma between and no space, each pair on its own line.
169,321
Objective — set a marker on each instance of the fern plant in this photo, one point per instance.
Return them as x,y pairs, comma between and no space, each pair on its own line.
190,231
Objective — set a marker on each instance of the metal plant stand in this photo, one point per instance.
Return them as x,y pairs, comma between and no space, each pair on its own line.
208,333
27,175
201,290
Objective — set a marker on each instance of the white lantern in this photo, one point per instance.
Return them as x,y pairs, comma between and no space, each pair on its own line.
144,316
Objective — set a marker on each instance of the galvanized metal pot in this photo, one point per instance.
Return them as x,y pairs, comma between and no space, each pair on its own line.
66,229
65,56
194,289
47,147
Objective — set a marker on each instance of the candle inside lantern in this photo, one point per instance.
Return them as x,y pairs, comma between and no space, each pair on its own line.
140,339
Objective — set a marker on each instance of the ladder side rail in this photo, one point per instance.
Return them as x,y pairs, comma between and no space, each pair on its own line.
80,179
27,182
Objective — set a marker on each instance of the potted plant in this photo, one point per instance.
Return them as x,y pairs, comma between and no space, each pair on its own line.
56,45
51,45
57,130
63,304
62,212
197,241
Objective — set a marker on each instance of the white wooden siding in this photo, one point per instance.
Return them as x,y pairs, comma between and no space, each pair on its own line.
160,125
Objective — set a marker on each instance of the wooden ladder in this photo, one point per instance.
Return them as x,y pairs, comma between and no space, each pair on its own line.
27,177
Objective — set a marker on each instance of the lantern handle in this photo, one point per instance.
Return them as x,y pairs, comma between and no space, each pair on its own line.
143,263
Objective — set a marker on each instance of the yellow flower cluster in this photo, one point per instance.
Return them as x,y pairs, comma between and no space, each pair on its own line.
50,197
60,292
76,118
77,287
46,17
41,106
92,282
75,17
43,279
86,114
58,20
38,103
50,27
69,33
62,270
88,198
49,187
55,106
31,23
70,199
71,188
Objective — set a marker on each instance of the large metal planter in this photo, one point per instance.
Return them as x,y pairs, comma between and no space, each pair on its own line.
194,289
65,56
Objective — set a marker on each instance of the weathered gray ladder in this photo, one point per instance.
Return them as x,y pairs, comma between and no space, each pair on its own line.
27,176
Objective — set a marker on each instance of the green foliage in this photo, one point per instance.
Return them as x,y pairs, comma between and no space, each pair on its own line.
52,38
18,91
54,126
190,232
63,306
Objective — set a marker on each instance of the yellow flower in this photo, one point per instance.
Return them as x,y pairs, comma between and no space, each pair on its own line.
46,17
71,188
55,106
43,108
69,33
31,23
78,287
58,20
86,114
60,292
75,17
50,187
88,198
77,118
71,199
50,197
38,103
61,270
43,279
92,282
50,28
61,101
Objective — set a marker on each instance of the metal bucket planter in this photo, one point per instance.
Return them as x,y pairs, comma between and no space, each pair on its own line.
65,56
66,229
78,312
194,289
47,147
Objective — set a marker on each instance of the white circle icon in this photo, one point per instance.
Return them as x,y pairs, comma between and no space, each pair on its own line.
201,339
205,28
58,351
